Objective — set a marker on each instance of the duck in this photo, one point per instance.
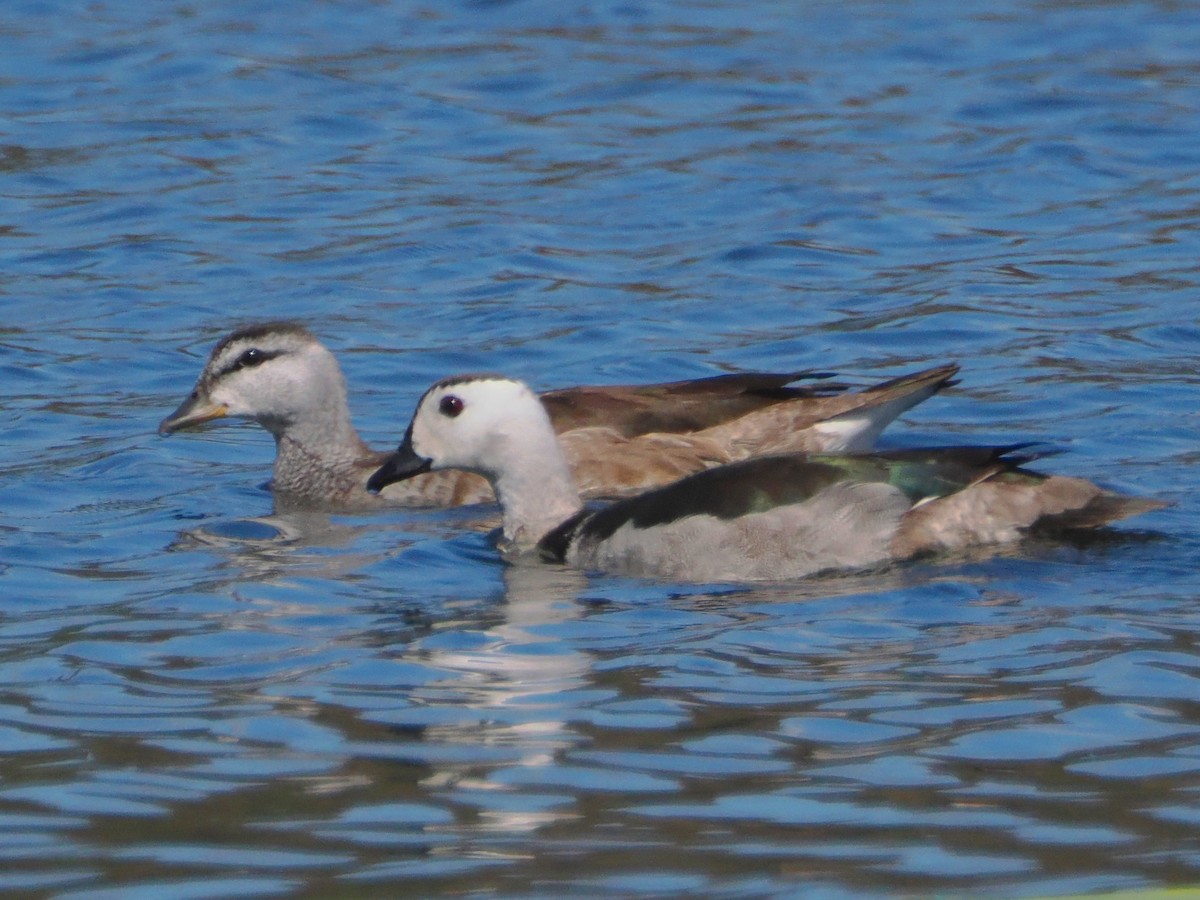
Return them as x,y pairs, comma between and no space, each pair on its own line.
621,439
765,518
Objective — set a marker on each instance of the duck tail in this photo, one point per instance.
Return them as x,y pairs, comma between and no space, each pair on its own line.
1103,509
857,428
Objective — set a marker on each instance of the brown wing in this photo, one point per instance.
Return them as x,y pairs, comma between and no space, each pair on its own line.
678,406
608,463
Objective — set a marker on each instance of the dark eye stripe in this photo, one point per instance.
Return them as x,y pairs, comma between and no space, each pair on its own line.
249,359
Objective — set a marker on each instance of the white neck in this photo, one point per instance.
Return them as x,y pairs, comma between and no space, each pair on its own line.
498,428
536,493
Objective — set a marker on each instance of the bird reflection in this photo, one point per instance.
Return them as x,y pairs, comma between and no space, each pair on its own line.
510,685
265,548
297,539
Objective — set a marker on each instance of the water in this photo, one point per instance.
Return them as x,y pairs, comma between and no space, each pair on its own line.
198,699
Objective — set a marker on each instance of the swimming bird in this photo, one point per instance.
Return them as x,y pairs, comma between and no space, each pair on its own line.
620,439
766,518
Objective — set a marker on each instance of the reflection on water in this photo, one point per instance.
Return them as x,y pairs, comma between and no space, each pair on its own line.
203,696
543,733
265,548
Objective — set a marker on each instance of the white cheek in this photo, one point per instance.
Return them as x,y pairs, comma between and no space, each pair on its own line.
223,395
449,442
425,443
241,396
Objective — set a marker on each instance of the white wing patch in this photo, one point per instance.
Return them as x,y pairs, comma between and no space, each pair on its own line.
847,434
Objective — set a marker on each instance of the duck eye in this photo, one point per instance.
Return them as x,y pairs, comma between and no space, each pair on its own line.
450,406
252,357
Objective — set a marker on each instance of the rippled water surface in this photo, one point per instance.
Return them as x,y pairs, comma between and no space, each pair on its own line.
200,699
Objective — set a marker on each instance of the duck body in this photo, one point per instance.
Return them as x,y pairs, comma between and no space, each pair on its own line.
770,518
619,439
787,517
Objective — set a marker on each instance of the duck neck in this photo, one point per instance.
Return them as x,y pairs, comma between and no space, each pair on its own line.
319,454
536,495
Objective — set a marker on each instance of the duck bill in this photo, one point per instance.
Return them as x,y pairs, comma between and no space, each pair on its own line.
401,465
192,411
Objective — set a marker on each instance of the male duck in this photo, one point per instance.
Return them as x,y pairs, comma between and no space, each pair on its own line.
619,439
767,518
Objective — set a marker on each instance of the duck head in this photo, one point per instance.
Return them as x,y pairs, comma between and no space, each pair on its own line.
478,423
276,373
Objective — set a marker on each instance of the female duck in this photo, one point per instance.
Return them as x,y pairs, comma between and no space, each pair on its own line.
769,518
619,439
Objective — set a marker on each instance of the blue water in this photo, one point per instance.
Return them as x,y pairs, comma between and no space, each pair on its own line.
198,699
